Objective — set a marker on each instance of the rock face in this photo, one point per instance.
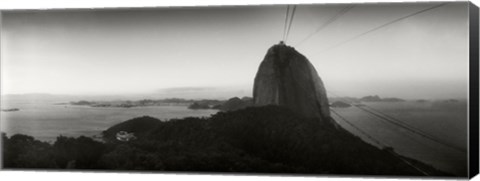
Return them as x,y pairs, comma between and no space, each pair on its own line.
286,78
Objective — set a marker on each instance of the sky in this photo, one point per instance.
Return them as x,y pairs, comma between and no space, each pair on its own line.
216,51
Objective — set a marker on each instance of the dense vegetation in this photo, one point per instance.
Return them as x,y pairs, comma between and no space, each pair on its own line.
236,103
231,104
263,140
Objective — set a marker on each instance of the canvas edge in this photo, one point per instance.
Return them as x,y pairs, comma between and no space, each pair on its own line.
1,84
473,91
473,127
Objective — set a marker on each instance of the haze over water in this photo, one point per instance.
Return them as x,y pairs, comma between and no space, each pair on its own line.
45,120
214,52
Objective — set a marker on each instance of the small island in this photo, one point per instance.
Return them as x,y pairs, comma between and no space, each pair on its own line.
340,104
231,104
377,98
10,110
143,102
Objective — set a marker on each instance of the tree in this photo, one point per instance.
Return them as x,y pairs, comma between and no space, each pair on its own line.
83,150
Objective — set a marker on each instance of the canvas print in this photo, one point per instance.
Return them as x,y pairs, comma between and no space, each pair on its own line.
377,89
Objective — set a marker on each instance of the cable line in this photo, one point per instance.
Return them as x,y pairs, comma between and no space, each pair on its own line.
286,22
290,23
328,22
402,124
411,129
358,129
386,24
379,143
385,117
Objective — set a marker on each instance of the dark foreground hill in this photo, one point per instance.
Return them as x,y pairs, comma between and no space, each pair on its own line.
266,139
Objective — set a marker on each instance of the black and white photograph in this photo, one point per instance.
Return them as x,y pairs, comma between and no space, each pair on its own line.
352,89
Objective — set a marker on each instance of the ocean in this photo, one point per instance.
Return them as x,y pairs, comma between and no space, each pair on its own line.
45,119
444,121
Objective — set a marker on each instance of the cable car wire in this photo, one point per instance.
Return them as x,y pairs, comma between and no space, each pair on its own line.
385,25
328,22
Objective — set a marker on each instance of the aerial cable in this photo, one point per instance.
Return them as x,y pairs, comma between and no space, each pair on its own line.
328,22
290,23
386,24
394,119
358,129
379,143
402,124
286,22
413,130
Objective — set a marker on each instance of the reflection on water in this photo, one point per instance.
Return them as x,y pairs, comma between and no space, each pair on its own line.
446,121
